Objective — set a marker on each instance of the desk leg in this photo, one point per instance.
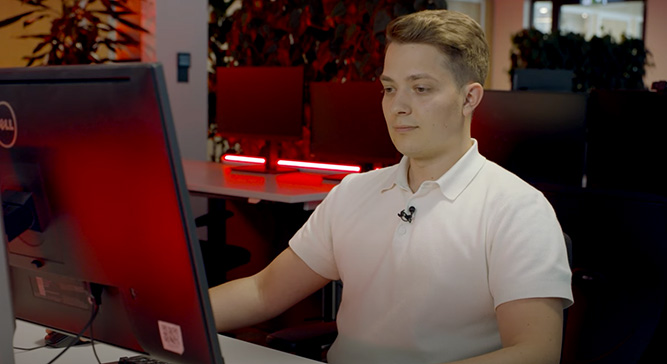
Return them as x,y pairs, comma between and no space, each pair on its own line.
331,295
213,248
217,221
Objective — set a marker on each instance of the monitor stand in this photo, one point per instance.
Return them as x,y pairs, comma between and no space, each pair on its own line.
271,162
7,322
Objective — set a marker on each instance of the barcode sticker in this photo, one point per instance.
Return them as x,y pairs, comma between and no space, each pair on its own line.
171,336
40,286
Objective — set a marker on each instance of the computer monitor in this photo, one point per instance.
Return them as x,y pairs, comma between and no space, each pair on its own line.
626,140
540,79
91,152
538,135
6,311
263,103
348,126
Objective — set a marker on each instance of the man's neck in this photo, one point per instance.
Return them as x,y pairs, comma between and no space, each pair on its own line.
431,169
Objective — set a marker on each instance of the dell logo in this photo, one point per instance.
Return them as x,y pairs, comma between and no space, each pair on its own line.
7,125
8,130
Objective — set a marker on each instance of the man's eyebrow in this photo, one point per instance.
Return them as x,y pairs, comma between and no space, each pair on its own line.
420,76
417,76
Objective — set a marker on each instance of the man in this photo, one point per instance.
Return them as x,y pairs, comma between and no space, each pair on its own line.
473,270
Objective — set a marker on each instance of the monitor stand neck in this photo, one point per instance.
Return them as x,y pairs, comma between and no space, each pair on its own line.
270,154
7,322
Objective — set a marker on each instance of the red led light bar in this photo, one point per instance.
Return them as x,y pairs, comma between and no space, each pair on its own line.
321,166
243,159
295,164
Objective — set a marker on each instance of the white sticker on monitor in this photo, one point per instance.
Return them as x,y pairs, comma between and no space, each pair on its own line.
40,286
171,336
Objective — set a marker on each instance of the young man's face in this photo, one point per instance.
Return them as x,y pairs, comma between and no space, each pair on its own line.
422,103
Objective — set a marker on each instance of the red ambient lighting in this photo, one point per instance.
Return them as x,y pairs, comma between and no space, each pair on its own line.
243,159
295,164
321,166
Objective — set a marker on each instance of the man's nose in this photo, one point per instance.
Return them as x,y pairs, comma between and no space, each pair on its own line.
400,103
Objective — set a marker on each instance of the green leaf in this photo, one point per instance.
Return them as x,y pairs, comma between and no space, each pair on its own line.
39,36
126,37
40,46
33,20
339,9
117,4
114,14
132,25
14,19
35,3
32,60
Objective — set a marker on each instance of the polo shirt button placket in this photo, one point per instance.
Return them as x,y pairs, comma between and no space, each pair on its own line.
402,229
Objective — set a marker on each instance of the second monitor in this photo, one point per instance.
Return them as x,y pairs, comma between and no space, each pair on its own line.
538,135
348,126
263,103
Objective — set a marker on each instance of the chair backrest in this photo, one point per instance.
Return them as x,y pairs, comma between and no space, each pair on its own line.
619,246
568,246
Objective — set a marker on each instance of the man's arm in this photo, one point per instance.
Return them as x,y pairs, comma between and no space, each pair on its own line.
530,330
247,301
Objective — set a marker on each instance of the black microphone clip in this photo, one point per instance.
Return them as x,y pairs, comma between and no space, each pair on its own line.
407,216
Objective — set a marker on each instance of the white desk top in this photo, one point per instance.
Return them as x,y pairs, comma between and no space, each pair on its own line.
217,179
234,351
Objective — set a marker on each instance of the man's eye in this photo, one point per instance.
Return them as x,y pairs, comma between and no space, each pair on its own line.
387,90
421,89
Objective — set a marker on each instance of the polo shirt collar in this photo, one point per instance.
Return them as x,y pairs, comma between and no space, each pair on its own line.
453,182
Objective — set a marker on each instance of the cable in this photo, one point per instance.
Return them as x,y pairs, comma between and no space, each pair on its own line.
92,337
78,336
30,244
28,349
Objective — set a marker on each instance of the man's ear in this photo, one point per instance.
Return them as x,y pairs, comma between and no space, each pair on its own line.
473,96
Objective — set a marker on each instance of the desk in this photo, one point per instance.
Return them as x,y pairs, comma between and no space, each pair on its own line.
219,181
233,351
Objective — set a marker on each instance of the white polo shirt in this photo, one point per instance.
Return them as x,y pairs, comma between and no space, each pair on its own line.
426,291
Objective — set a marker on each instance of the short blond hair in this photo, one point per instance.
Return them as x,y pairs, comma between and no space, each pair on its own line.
459,37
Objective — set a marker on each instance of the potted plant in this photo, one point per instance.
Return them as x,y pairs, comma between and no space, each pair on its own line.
600,62
79,29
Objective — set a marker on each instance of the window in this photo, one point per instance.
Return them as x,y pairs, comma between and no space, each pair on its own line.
590,17
475,9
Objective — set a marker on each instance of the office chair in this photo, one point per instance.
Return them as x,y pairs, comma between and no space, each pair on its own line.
219,257
619,245
313,339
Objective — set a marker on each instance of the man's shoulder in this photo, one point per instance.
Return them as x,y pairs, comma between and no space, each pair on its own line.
504,182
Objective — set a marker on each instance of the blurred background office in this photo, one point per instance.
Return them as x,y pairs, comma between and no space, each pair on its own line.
565,141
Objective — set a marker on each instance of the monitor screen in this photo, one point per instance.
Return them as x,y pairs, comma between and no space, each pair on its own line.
626,140
348,126
538,135
260,102
89,155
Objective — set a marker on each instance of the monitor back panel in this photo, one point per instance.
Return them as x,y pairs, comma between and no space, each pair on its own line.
540,136
260,102
96,149
348,125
